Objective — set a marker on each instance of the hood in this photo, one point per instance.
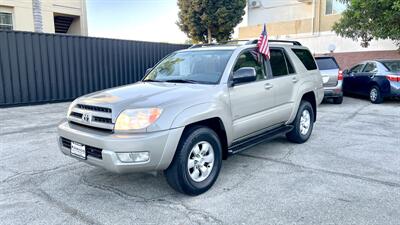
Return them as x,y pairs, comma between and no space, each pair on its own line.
147,94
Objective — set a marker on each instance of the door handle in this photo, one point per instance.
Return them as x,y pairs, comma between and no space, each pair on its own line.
268,86
294,79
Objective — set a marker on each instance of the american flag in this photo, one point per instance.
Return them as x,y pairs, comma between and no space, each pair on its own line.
262,44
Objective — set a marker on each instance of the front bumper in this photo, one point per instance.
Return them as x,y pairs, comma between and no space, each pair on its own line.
334,92
160,145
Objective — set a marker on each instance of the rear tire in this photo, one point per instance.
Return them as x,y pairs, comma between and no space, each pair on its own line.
375,95
303,124
191,171
338,100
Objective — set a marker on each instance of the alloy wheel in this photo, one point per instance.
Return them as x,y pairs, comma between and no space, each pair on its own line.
305,122
200,161
373,95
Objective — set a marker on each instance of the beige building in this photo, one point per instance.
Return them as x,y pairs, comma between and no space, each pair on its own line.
310,22
289,17
48,16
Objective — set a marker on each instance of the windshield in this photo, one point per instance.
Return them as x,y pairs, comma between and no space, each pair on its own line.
326,63
392,66
205,67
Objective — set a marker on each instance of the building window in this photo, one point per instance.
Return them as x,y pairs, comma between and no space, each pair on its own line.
334,7
6,21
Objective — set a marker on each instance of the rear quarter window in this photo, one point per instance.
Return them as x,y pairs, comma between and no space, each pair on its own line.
306,58
326,63
392,66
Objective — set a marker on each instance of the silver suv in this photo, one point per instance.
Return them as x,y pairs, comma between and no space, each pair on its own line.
332,78
195,108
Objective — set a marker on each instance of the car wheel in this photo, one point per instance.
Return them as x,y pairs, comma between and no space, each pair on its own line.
197,161
375,95
303,124
338,100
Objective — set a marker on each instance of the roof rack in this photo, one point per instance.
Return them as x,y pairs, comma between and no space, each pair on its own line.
219,43
285,41
247,42
203,45
254,41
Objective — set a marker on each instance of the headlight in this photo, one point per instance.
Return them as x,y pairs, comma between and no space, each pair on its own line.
134,119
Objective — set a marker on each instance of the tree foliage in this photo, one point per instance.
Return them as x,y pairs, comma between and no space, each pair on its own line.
205,20
369,19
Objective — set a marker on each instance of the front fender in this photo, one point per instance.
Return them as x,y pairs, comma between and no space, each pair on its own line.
204,111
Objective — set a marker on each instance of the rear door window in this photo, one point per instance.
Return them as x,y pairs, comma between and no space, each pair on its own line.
369,68
327,63
280,65
306,58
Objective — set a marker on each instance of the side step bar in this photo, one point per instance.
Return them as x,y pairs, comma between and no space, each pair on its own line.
255,140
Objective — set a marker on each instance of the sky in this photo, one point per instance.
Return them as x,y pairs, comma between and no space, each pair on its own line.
146,20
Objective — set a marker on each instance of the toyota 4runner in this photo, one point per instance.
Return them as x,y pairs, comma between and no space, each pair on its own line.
195,108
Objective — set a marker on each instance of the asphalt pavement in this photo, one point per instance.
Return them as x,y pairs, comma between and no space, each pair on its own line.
347,173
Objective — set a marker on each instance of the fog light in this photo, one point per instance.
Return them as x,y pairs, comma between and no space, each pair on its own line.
129,157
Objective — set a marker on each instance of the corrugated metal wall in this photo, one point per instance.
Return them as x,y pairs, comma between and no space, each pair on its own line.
39,68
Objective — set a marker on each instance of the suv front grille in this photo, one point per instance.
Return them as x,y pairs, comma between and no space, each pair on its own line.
94,108
102,119
91,127
92,116
90,150
77,115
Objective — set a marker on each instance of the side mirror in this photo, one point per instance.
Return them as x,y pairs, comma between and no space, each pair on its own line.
346,71
244,75
148,70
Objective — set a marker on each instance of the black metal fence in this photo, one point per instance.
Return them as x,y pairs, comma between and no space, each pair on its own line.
39,68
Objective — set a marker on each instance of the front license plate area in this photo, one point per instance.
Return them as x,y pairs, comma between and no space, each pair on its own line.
78,150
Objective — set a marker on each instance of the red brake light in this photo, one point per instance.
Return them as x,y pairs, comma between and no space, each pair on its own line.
393,78
340,75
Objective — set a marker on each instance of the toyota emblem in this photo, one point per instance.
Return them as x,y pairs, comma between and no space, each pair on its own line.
87,117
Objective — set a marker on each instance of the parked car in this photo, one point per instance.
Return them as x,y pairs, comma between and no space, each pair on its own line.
332,78
377,79
193,109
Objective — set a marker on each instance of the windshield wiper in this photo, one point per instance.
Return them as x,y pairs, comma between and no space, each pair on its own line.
182,81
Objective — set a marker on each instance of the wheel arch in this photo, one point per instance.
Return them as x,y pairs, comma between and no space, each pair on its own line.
217,125
311,98
382,83
210,114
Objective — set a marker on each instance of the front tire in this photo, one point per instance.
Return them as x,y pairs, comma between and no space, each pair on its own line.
303,124
375,95
197,161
